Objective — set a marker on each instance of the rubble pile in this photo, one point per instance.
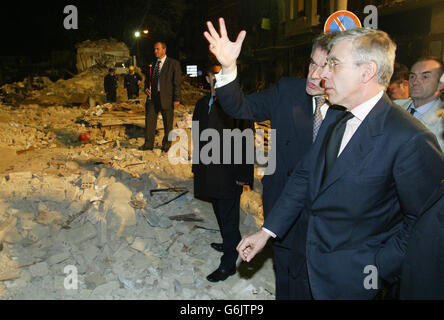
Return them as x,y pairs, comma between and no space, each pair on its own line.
103,220
105,52
84,89
75,192
66,203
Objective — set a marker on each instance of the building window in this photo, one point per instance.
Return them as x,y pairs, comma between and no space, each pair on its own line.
301,8
291,9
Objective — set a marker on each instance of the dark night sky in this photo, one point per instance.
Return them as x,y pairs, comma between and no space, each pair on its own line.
35,28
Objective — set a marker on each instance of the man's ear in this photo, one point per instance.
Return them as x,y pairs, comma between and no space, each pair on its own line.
441,83
208,79
405,83
369,71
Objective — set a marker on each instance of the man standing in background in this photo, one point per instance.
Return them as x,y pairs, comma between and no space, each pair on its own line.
165,96
110,85
132,83
425,91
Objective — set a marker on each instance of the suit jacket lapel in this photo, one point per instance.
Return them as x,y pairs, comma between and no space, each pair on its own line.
164,69
360,144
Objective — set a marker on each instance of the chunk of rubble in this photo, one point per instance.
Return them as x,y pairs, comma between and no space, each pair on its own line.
39,270
81,234
14,176
59,258
119,213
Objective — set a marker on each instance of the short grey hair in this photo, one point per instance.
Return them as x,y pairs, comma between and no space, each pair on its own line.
371,45
322,41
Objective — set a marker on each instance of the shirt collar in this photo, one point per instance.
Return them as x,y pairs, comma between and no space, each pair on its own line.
424,108
364,109
162,60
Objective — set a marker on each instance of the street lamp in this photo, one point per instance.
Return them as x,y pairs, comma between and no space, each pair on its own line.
137,35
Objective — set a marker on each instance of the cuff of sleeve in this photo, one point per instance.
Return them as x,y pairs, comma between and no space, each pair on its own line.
224,79
269,232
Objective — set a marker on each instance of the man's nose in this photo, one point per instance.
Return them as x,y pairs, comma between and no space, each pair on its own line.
317,72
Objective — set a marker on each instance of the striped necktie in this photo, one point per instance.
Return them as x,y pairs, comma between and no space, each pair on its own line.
317,118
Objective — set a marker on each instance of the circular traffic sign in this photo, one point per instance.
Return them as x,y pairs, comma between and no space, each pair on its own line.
341,20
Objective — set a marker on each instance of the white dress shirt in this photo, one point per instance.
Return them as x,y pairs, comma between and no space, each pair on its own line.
359,112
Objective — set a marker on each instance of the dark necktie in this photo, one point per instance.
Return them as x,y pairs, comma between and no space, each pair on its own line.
334,142
412,111
156,74
317,117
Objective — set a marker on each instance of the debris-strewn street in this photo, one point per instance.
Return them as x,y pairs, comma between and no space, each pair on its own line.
87,204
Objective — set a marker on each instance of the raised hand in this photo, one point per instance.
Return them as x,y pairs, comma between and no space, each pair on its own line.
223,49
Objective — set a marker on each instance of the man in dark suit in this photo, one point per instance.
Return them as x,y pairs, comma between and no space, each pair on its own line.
365,180
163,90
110,85
296,108
132,83
221,182
423,268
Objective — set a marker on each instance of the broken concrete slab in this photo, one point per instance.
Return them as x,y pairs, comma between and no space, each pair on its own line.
116,203
40,269
95,280
19,176
106,290
139,244
81,234
59,258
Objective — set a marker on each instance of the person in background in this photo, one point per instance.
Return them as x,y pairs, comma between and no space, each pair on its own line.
425,91
399,83
221,183
163,90
110,85
132,83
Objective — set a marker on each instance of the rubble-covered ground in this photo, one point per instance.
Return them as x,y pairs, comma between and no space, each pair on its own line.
87,204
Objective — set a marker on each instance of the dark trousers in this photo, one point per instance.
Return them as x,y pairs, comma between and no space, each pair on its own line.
281,257
133,93
111,96
152,109
227,214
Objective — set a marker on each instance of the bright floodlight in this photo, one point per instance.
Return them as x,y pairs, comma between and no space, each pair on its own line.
137,34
